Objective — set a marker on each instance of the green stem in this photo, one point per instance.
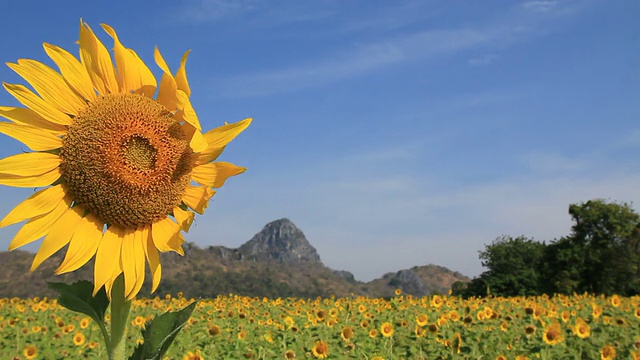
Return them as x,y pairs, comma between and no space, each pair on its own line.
120,307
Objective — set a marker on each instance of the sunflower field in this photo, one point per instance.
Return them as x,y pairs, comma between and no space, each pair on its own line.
403,327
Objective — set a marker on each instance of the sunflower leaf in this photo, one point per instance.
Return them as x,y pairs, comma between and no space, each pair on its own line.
160,333
78,297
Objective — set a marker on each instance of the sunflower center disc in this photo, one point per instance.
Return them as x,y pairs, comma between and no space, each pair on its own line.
127,160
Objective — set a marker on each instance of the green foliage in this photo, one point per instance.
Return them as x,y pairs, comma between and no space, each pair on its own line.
161,332
601,255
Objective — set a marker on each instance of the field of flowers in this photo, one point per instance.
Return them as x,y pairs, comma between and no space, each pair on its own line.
404,327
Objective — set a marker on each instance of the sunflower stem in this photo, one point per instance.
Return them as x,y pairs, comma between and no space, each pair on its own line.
120,307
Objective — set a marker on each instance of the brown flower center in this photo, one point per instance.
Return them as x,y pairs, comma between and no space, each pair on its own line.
127,160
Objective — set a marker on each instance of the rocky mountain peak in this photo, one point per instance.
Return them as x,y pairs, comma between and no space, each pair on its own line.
282,241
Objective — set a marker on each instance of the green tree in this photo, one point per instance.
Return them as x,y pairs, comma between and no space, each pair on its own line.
513,268
605,232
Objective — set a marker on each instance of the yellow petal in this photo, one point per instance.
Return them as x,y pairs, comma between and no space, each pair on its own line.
147,79
29,164
218,138
128,261
112,278
127,65
95,57
167,93
184,218
197,197
25,116
59,234
181,75
110,244
50,85
83,244
27,98
187,113
154,262
215,174
31,181
141,237
36,139
40,225
39,203
75,74
166,236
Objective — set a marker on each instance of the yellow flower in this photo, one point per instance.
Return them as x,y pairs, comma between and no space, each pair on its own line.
347,333
386,329
422,320
320,350
30,352
582,329
193,356
79,339
615,300
607,352
123,172
553,334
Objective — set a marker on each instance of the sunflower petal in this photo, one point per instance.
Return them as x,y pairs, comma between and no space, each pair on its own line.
187,113
27,98
95,57
128,77
110,244
59,234
83,245
127,260
181,75
148,81
167,93
29,164
184,218
24,116
141,237
153,258
39,203
40,225
218,138
215,174
117,270
49,84
166,236
197,197
31,181
74,73
36,139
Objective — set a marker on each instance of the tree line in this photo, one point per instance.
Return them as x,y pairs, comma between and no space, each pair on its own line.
601,255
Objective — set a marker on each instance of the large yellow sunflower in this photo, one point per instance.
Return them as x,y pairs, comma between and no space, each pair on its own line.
122,172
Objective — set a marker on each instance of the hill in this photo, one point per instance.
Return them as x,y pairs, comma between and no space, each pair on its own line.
277,262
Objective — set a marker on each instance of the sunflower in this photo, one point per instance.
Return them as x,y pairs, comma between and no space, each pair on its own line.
553,334
347,333
320,349
386,329
79,339
607,352
582,329
121,172
30,352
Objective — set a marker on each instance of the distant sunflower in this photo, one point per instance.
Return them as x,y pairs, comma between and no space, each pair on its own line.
582,329
30,352
386,329
553,334
320,349
79,339
607,352
123,172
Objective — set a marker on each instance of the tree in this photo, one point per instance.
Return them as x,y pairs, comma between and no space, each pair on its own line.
513,266
606,235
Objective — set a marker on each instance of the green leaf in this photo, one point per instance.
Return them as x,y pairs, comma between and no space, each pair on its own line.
78,297
160,333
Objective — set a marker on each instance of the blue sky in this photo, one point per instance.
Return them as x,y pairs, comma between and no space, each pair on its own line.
393,133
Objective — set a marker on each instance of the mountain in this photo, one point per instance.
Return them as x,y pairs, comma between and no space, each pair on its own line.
278,261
